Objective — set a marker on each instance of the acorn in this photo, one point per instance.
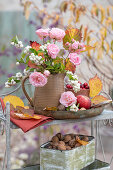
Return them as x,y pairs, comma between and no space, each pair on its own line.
60,136
68,148
67,138
55,139
61,147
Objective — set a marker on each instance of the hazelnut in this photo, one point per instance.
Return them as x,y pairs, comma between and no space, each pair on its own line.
55,139
82,108
61,142
55,144
61,147
61,107
77,144
85,138
68,148
54,147
72,135
50,147
72,143
77,137
67,138
60,136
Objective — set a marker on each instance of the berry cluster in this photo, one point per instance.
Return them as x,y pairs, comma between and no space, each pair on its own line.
84,85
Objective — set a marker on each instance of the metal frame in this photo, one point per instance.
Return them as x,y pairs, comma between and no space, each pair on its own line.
106,116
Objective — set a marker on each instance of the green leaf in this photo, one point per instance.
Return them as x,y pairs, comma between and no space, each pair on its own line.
27,68
27,59
23,55
15,39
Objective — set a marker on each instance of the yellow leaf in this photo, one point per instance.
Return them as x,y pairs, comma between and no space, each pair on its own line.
98,99
77,15
85,33
103,32
14,100
107,47
70,66
108,13
95,45
82,142
95,85
26,9
102,10
100,53
111,56
32,117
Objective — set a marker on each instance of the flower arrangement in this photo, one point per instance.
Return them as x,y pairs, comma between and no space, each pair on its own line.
43,60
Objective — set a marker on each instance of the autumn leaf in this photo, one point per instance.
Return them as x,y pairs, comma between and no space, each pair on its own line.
107,47
71,33
26,9
85,33
95,85
88,47
82,142
102,10
23,113
63,6
32,65
98,99
35,45
70,66
14,100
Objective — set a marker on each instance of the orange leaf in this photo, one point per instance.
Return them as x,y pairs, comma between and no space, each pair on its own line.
82,142
95,85
70,66
32,65
98,99
35,45
71,33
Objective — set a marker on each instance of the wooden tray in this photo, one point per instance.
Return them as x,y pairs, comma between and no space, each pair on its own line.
59,115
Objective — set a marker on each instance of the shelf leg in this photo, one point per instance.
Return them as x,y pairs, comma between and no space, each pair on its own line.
96,138
8,135
92,128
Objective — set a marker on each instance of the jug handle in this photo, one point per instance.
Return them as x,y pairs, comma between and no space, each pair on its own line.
25,92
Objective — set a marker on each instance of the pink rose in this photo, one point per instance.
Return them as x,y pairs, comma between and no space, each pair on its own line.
82,46
46,73
75,45
37,79
42,33
74,58
57,33
68,98
53,50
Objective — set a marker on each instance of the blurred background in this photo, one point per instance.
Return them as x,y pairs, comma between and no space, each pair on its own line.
23,18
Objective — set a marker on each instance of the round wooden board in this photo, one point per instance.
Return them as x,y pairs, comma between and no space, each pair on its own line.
61,115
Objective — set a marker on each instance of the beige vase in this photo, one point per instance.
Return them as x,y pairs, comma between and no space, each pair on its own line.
48,95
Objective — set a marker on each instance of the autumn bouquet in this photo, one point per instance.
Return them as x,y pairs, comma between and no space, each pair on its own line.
43,62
